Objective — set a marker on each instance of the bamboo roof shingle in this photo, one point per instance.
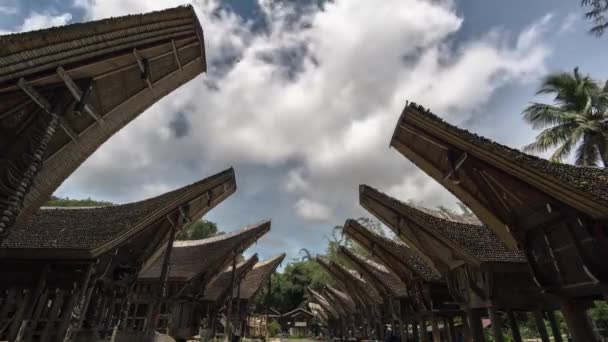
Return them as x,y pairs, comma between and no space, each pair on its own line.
466,163
395,255
547,210
342,301
65,90
318,298
204,258
260,273
350,281
218,289
377,274
88,232
474,240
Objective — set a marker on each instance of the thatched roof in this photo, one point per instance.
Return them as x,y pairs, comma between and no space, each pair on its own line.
64,91
339,300
395,255
219,288
318,298
318,311
350,281
505,188
258,276
385,281
204,258
472,241
89,232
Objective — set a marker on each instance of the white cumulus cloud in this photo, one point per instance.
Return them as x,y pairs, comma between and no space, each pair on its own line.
316,93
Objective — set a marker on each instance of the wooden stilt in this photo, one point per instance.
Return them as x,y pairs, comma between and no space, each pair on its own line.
540,326
228,325
514,326
496,324
400,317
449,329
466,328
555,330
475,325
436,332
424,336
415,332
577,321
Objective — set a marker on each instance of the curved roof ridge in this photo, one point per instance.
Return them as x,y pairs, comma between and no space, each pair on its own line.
89,229
397,248
476,239
378,273
587,180
225,236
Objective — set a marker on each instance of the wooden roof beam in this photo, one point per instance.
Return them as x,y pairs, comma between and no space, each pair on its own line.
144,67
80,96
176,55
43,103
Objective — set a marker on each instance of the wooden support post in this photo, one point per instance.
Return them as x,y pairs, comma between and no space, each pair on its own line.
448,327
238,307
514,326
436,332
228,325
415,332
144,67
540,326
466,328
34,300
577,321
176,55
496,324
267,306
400,322
555,330
424,336
475,325
80,96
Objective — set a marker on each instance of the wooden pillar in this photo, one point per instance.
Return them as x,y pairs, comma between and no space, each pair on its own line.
436,332
415,331
540,326
514,326
466,328
228,326
557,333
21,327
496,324
475,325
424,336
268,306
577,321
448,327
400,317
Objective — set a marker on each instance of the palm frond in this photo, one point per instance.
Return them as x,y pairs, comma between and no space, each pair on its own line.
550,138
541,115
587,153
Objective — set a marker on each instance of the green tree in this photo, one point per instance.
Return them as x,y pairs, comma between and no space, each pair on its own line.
56,201
577,120
201,229
599,315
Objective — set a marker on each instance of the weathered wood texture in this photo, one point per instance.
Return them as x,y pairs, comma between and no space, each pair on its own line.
64,91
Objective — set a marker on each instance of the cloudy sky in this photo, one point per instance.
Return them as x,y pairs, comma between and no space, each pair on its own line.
302,100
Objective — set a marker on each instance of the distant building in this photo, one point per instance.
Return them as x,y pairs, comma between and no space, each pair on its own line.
297,322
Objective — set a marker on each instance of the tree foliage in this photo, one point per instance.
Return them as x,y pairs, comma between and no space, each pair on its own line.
595,11
201,229
576,122
56,201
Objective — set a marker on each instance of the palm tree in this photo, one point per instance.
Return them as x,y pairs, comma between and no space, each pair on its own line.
577,120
